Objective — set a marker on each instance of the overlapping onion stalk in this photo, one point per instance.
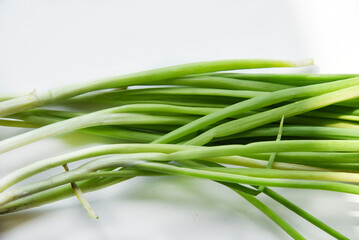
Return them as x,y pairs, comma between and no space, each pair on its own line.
247,131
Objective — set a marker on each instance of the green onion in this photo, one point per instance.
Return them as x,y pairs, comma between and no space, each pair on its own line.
193,120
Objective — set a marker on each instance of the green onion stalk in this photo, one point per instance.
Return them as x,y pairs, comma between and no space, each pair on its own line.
246,131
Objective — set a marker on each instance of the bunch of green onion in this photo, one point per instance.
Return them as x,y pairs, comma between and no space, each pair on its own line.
246,131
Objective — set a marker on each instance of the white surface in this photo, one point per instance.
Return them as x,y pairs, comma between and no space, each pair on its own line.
44,44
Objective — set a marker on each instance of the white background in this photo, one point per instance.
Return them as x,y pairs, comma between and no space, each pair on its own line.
44,44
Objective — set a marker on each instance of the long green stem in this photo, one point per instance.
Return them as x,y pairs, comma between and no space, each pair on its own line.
79,174
223,83
295,79
43,98
43,165
304,175
210,104
84,172
248,193
183,91
62,192
301,131
114,116
269,147
85,121
269,212
310,218
259,102
168,169
275,114
288,204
